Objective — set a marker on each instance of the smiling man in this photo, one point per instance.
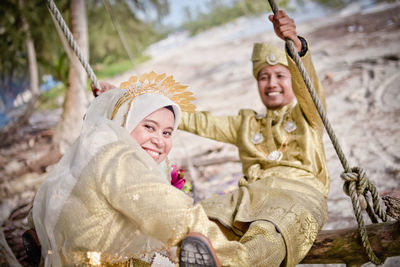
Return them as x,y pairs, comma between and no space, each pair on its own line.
275,86
280,204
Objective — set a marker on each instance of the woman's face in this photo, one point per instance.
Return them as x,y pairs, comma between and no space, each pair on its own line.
154,134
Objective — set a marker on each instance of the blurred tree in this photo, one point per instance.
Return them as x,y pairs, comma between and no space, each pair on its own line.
76,99
27,36
30,47
11,47
136,20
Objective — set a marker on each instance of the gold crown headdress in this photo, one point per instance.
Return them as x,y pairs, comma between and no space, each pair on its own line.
153,83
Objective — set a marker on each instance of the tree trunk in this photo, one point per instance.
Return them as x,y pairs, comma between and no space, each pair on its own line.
33,69
76,99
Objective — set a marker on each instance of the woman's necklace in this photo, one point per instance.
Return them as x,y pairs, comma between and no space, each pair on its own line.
258,138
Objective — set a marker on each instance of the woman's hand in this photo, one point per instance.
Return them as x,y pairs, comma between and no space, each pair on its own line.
285,27
104,88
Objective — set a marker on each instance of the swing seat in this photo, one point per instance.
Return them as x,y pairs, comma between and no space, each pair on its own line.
344,246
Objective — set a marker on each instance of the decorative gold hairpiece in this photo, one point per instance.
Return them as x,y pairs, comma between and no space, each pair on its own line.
153,83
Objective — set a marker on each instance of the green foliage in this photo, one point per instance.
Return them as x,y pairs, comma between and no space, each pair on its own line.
112,69
338,4
61,67
50,99
13,53
330,3
105,44
219,13
12,46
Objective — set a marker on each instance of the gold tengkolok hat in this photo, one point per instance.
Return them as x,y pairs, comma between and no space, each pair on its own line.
266,55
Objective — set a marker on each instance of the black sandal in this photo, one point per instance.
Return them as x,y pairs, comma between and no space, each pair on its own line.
197,251
32,247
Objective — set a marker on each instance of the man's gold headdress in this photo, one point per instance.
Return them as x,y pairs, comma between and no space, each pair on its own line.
266,55
153,83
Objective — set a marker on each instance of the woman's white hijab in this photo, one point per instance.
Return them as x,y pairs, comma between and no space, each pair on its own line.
141,106
97,131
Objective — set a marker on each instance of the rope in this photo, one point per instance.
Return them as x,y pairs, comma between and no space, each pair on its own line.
57,15
357,184
68,51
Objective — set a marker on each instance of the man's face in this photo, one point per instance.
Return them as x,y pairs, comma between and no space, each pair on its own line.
275,86
154,134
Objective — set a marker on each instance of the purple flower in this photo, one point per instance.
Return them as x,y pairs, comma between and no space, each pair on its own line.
177,177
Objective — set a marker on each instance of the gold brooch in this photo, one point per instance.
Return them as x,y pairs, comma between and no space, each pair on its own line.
272,59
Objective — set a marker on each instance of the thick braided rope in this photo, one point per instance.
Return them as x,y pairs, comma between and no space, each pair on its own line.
57,15
358,185
356,182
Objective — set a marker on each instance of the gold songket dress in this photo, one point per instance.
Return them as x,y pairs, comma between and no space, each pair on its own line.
107,202
285,178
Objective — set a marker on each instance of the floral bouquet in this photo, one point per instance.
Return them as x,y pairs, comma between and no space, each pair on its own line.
178,181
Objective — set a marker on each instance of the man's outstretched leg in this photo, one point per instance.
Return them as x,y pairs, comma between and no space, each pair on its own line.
264,244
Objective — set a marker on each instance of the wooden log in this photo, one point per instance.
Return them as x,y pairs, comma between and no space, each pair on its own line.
345,246
392,206
7,257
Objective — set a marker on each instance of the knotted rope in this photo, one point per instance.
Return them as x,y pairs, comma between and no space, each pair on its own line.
356,185
57,15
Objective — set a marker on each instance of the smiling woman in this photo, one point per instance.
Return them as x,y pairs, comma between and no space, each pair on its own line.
110,199
154,133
